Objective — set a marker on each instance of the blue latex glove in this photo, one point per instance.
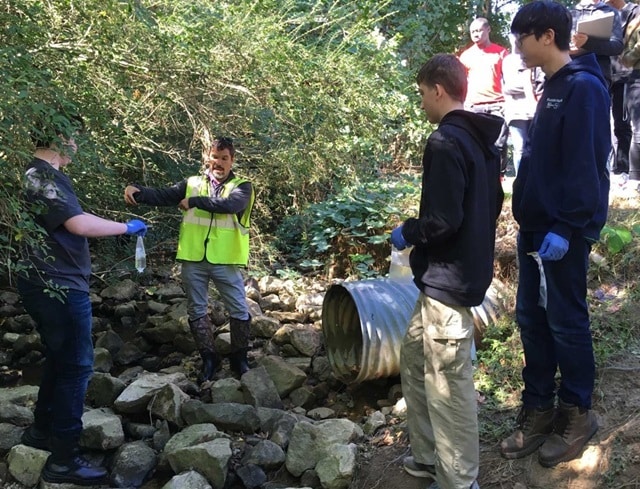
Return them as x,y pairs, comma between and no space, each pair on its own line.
553,247
137,227
397,239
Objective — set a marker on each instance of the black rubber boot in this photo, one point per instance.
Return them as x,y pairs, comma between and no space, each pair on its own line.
202,331
210,364
36,438
238,362
67,465
240,332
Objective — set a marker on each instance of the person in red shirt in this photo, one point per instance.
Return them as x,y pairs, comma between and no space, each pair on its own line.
483,62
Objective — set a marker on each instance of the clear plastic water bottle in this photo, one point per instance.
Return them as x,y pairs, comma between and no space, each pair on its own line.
141,256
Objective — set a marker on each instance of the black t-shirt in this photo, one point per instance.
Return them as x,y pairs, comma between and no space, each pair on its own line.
66,260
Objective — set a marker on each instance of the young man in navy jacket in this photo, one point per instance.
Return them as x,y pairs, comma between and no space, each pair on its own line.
560,201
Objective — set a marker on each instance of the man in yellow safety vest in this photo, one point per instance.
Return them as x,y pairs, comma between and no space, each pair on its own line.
213,244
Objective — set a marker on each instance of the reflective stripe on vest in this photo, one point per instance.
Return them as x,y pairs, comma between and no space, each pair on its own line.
220,238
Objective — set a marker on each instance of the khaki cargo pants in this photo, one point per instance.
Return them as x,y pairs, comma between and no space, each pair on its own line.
437,383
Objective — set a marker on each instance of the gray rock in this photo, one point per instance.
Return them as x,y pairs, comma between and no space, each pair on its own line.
272,302
128,309
136,396
321,368
130,374
286,377
227,390
336,468
102,430
227,416
210,459
9,436
139,431
303,396
265,454
270,285
165,332
128,354
109,340
133,463
102,360
259,389
27,343
373,422
167,404
104,389
321,413
281,433
311,443
168,292
14,414
121,291
162,435
26,463
193,435
188,480
306,340
23,394
156,307
264,326
251,476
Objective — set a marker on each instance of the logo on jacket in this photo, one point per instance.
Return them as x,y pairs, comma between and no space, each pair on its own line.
553,103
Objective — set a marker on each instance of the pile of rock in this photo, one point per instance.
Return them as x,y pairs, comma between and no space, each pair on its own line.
148,419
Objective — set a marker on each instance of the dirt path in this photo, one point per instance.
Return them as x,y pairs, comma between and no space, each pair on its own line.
610,461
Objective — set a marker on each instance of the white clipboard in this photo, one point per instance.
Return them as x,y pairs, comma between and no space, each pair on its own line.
600,26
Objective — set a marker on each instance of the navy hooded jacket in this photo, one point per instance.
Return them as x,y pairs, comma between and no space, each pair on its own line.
461,199
563,181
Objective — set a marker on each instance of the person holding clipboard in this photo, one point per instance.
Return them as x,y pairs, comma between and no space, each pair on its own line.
596,29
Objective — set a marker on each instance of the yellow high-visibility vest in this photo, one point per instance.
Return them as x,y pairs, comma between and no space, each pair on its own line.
222,239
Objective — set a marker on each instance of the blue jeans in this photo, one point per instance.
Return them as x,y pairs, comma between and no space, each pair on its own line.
227,279
560,336
65,330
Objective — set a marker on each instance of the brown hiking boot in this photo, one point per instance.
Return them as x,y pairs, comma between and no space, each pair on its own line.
573,428
534,426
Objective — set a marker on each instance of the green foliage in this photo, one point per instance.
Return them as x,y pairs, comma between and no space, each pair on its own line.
352,223
500,362
317,94
617,238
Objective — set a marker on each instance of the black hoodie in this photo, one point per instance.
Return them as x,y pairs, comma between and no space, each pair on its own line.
454,235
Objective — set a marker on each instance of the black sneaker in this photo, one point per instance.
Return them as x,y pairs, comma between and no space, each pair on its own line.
74,470
417,469
35,438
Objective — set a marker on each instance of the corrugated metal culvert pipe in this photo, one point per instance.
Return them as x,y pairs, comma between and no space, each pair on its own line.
364,322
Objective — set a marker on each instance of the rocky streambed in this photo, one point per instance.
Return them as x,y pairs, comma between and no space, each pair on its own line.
288,422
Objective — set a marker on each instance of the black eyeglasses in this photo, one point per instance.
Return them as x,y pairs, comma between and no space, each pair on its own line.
520,39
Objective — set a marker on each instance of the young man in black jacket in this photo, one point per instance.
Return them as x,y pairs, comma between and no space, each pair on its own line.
452,264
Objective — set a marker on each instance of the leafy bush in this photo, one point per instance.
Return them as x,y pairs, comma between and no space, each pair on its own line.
316,94
347,234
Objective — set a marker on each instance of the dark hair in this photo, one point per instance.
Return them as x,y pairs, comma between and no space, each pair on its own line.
445,70
221,143
54,125
539,16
